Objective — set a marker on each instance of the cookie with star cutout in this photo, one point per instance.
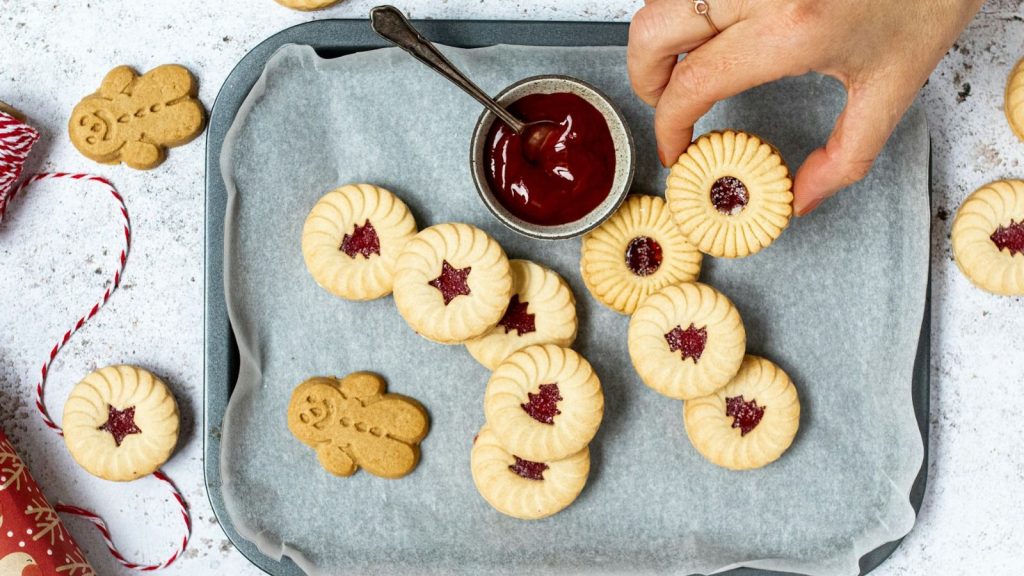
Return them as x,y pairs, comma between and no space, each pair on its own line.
687,340
522,488
352,238
453,283
749,423
635,253
542,310
988,237
544,402
121,423
730,193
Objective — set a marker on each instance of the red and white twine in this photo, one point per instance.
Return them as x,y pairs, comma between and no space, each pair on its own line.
14,144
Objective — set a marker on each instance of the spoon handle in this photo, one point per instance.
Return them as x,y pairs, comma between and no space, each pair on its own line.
390,23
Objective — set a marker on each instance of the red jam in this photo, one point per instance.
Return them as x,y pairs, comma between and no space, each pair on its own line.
746,415
517,318
543,406
575,167
643,256
452,282
528,470
1010,237
120,423
689,342
363,240
729,195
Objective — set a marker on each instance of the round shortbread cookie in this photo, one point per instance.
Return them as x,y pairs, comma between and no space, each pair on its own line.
453,283
636,252
1013,104
521,488
352,238
687,340
988,237
544,402
307,5
750,422
542,310
121,423
730,193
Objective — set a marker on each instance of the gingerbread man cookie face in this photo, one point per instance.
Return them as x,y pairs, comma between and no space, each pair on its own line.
134,119
351,423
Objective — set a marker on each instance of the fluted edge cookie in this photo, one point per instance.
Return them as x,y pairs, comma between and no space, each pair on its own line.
352,423
521,488
1014,101
749,423
988,237
544,402
687,340
636,252
121,423
730,193
453,283
351,240
307,5
542,310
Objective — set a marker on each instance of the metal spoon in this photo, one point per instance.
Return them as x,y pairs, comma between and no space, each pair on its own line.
390,23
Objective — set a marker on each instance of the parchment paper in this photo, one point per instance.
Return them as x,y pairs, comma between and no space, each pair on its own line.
837,301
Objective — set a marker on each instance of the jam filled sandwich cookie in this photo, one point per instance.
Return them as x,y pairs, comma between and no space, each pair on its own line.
522,488
453,283
636,252
307,5
351,423
750,422
988,237
730,193
542,310
352,238
121,423
544,402
1014,102
687,340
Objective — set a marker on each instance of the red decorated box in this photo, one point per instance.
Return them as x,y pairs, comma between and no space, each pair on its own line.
33,540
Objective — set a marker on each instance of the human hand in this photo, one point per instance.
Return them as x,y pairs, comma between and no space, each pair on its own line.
882,51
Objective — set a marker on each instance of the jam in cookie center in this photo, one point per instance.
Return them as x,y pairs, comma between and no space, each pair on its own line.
729,195
452,282
543,406
690,342
1010,237
527,469
643,256
517,318
746,415
363,240
120,423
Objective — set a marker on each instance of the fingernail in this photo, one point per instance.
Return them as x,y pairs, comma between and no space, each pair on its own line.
809,207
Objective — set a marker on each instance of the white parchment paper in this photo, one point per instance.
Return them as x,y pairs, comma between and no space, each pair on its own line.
837,301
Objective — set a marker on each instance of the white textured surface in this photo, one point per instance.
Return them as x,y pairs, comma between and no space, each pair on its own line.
53,245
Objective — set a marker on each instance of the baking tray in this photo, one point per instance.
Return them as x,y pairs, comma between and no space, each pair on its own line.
333,38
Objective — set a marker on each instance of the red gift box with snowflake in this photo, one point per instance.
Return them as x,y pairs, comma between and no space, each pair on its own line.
33,540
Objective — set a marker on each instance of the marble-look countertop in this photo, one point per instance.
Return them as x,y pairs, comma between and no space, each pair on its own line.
57,250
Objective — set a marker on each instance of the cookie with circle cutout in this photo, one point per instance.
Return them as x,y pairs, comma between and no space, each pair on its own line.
730,193
453,283
636,252
988,237
521,488
1013,103
749,423
687,340
544,402
542,310
121,423
352,238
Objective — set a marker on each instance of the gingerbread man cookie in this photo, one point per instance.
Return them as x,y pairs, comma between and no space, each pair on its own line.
351,422
134,119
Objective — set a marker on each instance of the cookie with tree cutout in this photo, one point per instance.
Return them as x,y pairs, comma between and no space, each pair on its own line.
988,237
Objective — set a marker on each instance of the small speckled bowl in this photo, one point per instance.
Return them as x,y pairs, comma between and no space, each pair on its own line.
625,152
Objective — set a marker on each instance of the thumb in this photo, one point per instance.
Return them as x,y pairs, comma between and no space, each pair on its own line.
859,135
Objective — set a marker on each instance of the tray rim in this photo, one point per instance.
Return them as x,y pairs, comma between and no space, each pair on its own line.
342,36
